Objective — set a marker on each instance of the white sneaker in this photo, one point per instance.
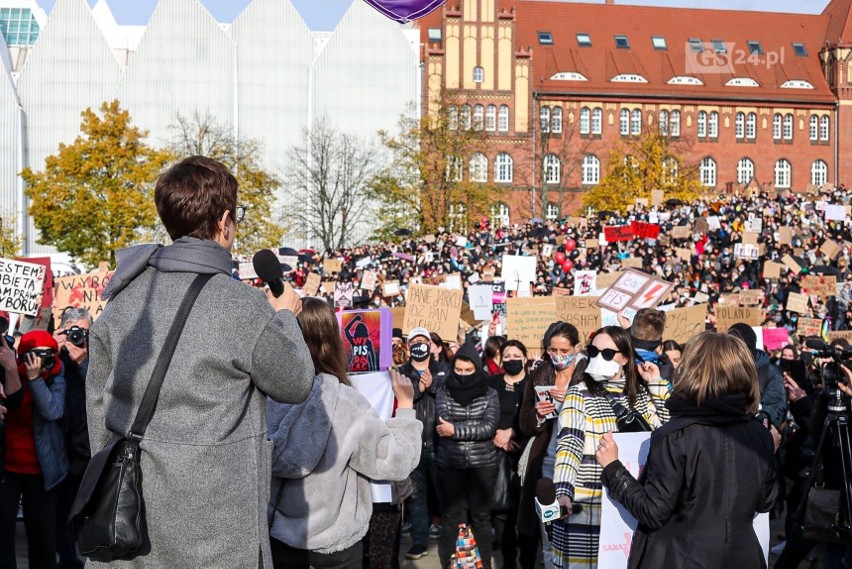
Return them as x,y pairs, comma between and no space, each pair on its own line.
778,549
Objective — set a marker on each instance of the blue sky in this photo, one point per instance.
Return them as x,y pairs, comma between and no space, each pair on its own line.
324,14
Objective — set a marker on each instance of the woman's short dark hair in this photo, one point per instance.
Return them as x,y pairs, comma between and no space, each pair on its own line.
672,346
193,194
493,346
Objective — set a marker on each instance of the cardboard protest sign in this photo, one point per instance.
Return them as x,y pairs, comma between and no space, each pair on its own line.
830,248
840,334
643,230
684,323
390,288
785,235
578,221
529,318
835,212
435,308
332,265
751,297
398,314
749,238
585,282
328,287
808,327
81,291
791,264
481,301
606,280
47,290
701,225
518,272
747,252
592,244
683,253
343,294
581,311
312,284
775,338
631,263
368,281
561,291
636,290
657,197
797,303
727,315
772,270
547,250
713,223
642,202
821,286
616,233
367,339
453,281
681,232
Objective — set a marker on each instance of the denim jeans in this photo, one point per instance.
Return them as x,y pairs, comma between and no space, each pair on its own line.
425,474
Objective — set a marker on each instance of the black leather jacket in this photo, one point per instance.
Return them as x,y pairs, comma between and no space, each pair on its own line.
471,445
424,403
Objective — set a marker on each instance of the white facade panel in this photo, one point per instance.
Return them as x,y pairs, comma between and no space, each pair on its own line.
11,144
185,63
70,69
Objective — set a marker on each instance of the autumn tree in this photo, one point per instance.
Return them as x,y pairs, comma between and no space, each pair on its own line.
11,241
329,177
95,195
432,181
201,135
651,162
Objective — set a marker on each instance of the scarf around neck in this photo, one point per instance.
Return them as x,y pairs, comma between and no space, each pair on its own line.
466,388
730,408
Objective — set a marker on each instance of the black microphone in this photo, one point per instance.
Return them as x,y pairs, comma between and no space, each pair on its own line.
268,269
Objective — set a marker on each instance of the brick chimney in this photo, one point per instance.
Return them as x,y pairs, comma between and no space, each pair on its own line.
610,2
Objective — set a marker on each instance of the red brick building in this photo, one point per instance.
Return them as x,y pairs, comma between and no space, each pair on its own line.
754,98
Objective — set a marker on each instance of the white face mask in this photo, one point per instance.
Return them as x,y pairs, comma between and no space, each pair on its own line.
601,370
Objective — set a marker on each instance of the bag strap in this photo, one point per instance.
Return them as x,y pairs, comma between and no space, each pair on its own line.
152,392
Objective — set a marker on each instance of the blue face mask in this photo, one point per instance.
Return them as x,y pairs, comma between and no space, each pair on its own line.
561,362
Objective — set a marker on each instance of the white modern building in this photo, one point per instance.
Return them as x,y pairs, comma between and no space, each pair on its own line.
265,74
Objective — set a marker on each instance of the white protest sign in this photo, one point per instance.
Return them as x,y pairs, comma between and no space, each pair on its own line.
376,389
21,287
518,272
481,301
713,223
247,271
617,525
585,283
835,212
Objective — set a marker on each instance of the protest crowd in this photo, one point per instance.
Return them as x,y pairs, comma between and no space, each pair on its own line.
468,387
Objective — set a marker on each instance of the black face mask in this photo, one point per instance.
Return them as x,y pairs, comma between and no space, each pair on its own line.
513,367
420,352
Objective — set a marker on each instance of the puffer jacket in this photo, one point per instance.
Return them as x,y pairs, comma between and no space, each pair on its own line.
773,396
471,445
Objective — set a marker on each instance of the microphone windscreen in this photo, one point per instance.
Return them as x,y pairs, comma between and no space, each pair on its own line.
815,344
545,491
267,266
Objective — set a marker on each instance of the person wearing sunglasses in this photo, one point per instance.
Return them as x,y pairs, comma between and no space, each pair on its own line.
611,379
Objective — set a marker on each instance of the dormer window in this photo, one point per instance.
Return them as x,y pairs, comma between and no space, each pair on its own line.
754,48
584,40
628,78
796,84
545,38
568,76
659,43
719,46
685,80
742,82
695,44
800,50
621,42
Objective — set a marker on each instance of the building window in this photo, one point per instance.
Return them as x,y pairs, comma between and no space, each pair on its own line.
701,125
659,43
819,173
745,171
624,122
584,40
739,126
545,38
478,117
552,212
585,120
556,120
674,124
719,46
500,215
788,127
434,35
552,169
824,130
465,117
503,167
670,170
664,123
478,74
776,126
18,26
621,42
799,49
636,123
713,125
696,45
754,48
597,120
453,117
707,172
458,218
591,170
783,174
454,169
478,168
751,126
813,131
503,119
544,119
491,118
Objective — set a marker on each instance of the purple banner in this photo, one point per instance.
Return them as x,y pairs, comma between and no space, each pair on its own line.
404,11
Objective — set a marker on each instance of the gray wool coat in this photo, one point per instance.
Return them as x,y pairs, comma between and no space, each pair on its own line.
205,457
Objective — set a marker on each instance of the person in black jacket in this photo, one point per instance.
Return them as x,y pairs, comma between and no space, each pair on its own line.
773,396
710,468
468,412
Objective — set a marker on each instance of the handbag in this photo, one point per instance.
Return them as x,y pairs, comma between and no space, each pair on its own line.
467,554
108,511
628,421
505,496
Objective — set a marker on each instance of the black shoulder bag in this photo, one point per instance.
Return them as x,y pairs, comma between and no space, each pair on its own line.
108,511
628,421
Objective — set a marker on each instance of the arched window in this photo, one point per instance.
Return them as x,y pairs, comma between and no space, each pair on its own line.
597,120
783,173
664,123
824,130
453,117
478,117
500,215
478,168
458,218
788,127
552,212
674,124
707,172
713,125
701,125
813,131
776,126
454,169
591,170
636,123
503,166
670,170
624,122
544,119
751,126
556,120
745,171
585,120
465,117
491,118
552,169
478,74
739,125
819,173
503,119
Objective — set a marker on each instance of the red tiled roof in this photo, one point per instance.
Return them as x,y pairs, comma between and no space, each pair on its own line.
838,27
